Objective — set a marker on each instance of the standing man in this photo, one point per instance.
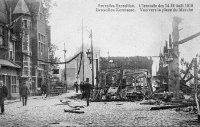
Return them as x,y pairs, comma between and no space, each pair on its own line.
81,86
76,86
24,93
3,94
44,89
87,89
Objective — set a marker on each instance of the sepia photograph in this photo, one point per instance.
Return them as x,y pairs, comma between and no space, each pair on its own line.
99,63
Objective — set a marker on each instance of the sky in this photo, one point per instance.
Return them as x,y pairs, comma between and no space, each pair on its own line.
122,33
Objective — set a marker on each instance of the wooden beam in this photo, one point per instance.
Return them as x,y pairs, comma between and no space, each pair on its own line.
188,38
171,106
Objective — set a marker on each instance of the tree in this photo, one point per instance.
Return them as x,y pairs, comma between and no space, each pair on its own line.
48,4
52,58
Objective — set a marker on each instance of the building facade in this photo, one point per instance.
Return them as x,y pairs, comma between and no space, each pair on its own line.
9,70
24,42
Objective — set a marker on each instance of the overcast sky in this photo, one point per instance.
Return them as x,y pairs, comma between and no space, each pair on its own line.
122,33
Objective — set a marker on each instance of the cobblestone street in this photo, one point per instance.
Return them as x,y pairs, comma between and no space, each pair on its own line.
50,112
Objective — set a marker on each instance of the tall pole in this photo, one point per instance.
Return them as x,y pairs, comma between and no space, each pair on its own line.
65,73
92,60
97,73
83,53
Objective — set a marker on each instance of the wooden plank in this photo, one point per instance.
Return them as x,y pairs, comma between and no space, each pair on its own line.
171,106
74,111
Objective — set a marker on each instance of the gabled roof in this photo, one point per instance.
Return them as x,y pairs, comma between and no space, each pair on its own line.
21,8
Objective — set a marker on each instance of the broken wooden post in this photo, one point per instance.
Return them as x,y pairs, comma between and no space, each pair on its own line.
196,87
173,68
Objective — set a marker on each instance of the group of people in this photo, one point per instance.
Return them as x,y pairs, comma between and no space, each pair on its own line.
85,88
23,91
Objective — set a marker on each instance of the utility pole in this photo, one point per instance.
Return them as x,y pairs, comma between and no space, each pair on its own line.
92,59
65,73
83,53
97,73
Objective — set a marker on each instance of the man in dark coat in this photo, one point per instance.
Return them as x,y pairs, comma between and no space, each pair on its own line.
3,94
87,89
44,89
81,86
24,93
76,86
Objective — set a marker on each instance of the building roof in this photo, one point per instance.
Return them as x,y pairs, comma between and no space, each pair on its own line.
7,63
136,62
3,12
21,8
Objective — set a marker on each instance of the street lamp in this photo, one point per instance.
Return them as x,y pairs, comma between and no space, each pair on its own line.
89,55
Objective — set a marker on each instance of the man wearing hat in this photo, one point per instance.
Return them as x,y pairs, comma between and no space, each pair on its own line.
87,88
3,94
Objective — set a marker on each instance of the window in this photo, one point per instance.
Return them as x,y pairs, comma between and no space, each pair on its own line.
25,71
25,45
25,64
41,45
26,38
1,30
39,49
25,24
39,73
1,40
14,88
25,42
25,58
1,77
29,24
14,79
11,55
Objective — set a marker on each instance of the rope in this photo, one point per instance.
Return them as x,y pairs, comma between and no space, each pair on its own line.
54,62
79,69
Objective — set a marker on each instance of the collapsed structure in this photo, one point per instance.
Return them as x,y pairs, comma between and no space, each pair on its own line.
118,75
